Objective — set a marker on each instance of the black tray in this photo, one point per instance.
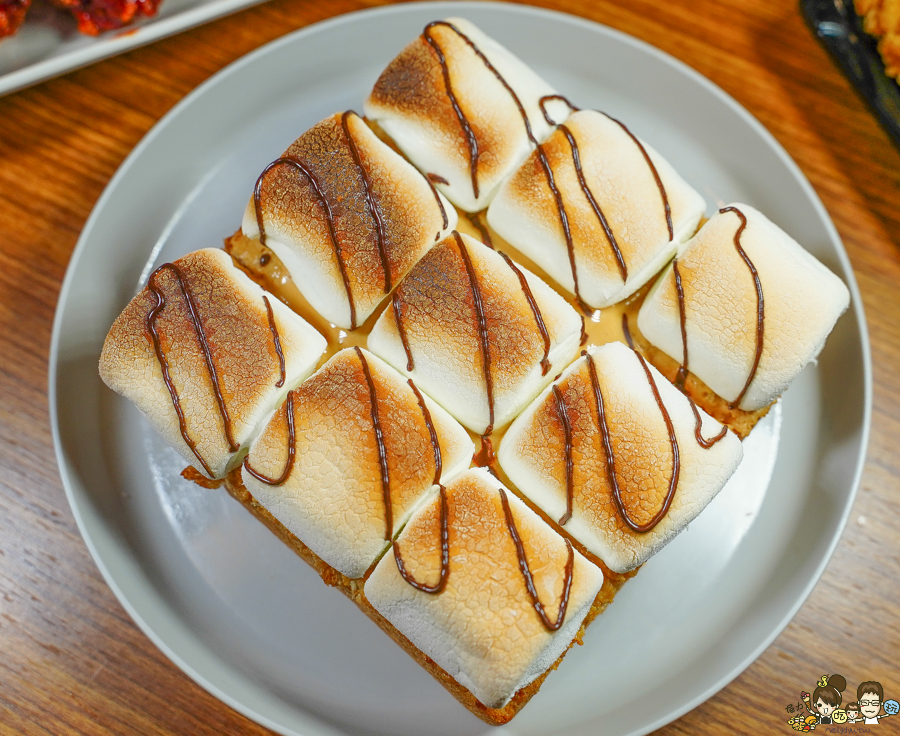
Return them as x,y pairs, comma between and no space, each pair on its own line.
839,29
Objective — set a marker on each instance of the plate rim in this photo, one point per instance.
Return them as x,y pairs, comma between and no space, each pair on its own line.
456,7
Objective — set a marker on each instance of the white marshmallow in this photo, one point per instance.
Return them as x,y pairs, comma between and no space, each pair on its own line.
297,230
442,329
411,104
533,455
483,629
802,300
333,498
623,185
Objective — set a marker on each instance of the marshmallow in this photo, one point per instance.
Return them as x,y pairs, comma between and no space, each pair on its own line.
483,628
802,300
533,455
439,317
412,104
233,319
332,497
303,217
622,184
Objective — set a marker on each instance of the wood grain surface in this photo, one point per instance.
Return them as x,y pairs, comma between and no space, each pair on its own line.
71,660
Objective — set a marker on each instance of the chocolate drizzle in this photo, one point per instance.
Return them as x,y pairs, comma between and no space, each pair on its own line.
379,441
760,322
482,230
436,179
589,195
401,330
681,376
292,448
329,220
610,458
374,210
626,331
482,334
440,204
152,315
445,536
535,310
563,415
526,571
760,303
273,328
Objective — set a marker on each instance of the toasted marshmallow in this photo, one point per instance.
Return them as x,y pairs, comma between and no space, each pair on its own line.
439,318
533,455
801,302
234,321
412,104
333,496
482,628
624,187
302,218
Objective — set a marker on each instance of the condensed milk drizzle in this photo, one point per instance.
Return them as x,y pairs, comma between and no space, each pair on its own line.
535,310
526,571
152,315
291,446
273,328
374,210
329,220
610,458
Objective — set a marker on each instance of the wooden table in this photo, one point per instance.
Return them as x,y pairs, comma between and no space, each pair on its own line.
71,660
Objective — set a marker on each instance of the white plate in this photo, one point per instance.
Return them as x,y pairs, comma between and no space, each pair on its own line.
48,42
248,620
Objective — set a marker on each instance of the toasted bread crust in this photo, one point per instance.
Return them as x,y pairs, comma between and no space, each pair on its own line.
353,589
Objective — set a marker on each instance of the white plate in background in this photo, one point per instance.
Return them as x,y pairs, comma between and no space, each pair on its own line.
252,623
48,43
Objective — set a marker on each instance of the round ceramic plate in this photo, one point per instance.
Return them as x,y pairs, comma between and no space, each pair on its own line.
247,619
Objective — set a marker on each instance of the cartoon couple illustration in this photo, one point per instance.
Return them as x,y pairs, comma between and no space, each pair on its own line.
824,706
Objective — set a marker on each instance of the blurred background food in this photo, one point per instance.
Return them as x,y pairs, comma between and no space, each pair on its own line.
881,19
93,16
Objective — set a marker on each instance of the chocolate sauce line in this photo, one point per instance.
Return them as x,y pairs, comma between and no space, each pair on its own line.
401,330
563,415
374,210
277,340
292,448
329,220
584,336
379,441
482,230
681,376
698,421
482,330
436,179
445,553
207,356
610,457
535,310
610,236
471,141
440,204
526,571
656,177
760,303
435,445
164,365
445,536
627,331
